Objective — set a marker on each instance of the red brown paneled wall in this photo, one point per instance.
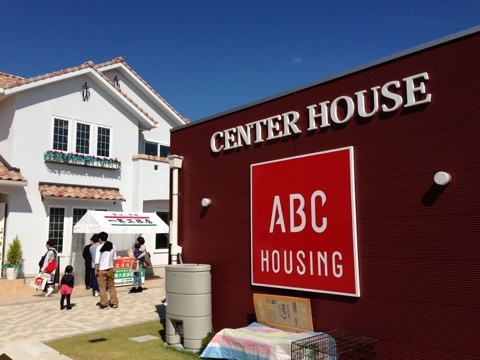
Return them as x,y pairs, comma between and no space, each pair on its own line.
418,243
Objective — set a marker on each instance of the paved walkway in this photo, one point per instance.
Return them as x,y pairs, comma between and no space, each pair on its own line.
28,315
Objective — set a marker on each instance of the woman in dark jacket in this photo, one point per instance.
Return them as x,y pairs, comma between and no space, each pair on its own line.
88,265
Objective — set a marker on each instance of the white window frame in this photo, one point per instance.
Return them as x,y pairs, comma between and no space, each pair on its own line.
109,140
72,136
64,230
52,138
152,143
158,145
162,249
75,139
76,236
160,148
75,207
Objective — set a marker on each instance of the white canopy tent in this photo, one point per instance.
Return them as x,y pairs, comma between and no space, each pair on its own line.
122,227
120,223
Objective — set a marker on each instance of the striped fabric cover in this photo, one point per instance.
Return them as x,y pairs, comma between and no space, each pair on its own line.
255,341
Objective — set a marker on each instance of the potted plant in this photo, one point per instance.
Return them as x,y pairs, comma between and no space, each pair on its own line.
14,264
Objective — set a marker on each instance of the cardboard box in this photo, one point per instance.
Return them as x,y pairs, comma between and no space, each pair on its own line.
283,312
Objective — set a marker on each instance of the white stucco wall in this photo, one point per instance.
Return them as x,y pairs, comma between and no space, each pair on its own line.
32,134
159,256
153,184
134,90
161,133
7,111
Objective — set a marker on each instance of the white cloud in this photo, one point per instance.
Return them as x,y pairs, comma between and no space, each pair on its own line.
297,60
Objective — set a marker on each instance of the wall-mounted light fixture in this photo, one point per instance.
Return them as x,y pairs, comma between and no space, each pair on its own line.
442,178
85,92
206,202
116,82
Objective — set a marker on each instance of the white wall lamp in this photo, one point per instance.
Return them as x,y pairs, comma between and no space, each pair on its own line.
206,202
442,178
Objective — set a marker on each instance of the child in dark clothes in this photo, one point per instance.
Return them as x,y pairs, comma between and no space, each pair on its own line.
66,287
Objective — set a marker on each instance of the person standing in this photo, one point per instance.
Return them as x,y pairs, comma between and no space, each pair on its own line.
139,257
50,256
93,251
141,241
66,287
88,265
104,260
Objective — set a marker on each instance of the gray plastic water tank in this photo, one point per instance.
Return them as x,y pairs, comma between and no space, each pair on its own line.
189,304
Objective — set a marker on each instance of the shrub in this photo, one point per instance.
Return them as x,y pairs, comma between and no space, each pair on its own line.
14,254
206,340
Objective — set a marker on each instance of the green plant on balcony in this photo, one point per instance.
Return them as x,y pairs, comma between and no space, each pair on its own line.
81,159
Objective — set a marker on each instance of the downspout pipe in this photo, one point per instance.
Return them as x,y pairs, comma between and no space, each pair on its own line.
175,162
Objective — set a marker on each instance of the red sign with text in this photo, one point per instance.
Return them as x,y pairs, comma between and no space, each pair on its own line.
303,227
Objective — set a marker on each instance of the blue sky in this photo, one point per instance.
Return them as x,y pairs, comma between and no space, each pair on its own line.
206,57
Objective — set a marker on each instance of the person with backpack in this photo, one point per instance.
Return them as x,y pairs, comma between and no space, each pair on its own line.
49,266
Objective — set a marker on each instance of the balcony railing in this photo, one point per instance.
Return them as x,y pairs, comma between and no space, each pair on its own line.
81,159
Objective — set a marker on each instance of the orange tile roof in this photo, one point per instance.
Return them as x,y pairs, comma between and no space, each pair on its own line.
22,81
80,192
9,173
9,81
149,157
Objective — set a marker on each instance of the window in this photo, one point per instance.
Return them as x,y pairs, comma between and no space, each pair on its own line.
78,214
78,240
161,240
60,135
151,148
55,227
83,139
164,151
103,142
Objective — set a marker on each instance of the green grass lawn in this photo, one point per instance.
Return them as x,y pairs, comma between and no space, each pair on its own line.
115,344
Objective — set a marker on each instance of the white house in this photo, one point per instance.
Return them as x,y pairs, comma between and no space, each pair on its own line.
91,137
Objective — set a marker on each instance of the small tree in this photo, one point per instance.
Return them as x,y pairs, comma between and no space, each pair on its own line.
14,254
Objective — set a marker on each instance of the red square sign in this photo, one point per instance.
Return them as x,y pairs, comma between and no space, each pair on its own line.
303,228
